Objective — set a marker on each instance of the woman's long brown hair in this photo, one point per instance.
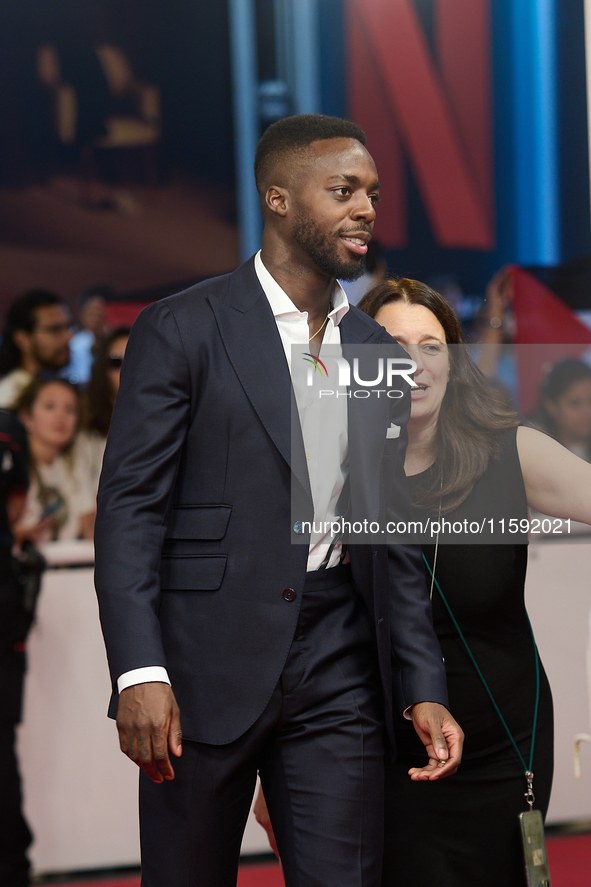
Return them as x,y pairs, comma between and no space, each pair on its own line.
472,415
98,399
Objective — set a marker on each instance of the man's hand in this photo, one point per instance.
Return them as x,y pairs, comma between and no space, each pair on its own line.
442,737
148,722
261,814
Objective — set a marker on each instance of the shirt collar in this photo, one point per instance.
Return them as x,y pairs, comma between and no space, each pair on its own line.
280,302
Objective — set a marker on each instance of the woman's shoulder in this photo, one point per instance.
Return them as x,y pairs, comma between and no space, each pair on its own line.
88,443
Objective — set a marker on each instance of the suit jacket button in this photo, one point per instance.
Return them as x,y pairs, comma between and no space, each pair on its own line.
289,594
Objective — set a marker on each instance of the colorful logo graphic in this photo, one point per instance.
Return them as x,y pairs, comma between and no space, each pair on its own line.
316,363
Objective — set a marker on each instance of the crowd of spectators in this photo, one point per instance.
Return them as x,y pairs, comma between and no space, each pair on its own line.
61,381
61,377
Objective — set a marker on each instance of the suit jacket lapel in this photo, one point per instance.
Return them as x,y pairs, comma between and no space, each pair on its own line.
367,417
254,347
355,333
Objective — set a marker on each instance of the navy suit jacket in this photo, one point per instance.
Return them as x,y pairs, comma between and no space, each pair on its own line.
194,526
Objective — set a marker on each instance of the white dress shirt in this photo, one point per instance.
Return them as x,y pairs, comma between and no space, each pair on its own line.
323,423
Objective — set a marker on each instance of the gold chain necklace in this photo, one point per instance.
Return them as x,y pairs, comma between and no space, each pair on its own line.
321,327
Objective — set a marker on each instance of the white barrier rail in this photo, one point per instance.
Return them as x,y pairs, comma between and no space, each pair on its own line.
80,792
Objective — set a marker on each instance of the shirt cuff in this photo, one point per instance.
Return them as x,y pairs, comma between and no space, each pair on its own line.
143,676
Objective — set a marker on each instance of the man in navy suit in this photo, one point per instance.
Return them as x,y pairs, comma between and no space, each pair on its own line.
286,659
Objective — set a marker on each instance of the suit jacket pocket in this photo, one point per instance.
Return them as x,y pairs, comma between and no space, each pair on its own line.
198,521
192,573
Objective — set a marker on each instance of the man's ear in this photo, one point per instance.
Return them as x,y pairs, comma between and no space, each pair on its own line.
277,199
22,340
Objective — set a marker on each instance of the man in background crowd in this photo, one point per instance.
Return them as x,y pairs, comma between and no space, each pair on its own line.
35,340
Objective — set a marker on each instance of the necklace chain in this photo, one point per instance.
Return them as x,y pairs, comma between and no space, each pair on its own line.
321,327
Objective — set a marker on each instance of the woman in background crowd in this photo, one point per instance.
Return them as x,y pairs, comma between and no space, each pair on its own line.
564,410
99,399
61,498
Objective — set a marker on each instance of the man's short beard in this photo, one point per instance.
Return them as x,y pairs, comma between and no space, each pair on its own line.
307,234
51,364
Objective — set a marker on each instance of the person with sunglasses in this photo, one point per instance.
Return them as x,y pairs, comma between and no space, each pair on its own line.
99,398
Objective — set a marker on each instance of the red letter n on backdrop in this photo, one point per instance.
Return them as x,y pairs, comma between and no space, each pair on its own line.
437,114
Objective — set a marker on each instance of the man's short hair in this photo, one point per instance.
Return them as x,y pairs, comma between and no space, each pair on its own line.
291,135
22,315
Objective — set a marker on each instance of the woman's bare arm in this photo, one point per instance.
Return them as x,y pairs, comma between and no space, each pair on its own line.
557,482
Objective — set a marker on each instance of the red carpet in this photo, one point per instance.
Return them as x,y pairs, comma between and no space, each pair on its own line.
249,876
260,876
569,859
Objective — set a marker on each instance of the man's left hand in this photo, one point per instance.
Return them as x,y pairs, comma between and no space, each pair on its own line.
442,737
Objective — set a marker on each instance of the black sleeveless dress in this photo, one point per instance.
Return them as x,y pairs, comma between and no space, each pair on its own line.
463,831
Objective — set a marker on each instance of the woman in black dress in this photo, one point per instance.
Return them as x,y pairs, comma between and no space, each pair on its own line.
468,458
